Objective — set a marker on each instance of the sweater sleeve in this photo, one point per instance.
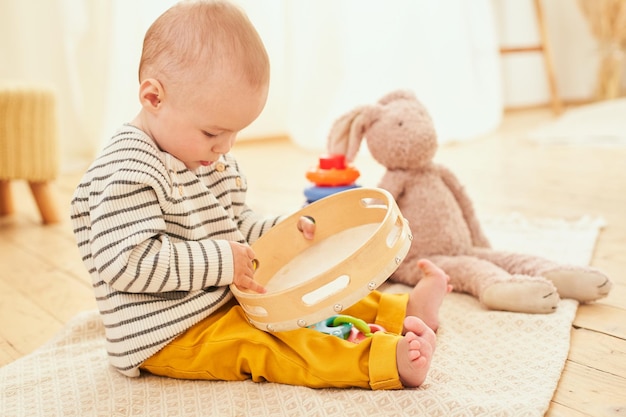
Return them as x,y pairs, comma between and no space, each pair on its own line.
253,225
133,253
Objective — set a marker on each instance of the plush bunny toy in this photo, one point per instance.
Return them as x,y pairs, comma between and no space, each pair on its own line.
400,135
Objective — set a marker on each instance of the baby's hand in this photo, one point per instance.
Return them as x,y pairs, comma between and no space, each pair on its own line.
306,224
243,277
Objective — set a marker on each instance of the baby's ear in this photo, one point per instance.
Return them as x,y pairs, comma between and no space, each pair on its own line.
151,93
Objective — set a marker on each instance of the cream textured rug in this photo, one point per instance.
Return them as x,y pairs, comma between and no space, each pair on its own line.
487,363
597,124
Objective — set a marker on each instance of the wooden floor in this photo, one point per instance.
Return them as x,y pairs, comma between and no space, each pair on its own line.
43,283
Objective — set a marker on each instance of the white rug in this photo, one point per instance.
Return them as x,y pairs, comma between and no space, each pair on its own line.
597,124
487,363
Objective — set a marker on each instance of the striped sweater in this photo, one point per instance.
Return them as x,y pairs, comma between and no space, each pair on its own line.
154,237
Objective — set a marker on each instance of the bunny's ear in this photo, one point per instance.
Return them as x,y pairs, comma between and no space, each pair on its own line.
347,133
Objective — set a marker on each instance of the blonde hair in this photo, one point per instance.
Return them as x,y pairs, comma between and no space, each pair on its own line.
195,37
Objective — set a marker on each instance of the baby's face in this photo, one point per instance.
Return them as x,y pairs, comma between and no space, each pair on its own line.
201,124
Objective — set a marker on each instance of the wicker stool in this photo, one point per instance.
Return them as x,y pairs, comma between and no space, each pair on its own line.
28,145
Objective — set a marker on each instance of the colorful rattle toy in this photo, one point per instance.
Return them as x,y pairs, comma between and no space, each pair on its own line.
348,328
330,176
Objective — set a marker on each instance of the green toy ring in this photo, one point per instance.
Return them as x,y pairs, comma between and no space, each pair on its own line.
360,325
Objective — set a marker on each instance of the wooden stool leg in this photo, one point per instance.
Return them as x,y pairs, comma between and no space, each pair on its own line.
6,201
45,202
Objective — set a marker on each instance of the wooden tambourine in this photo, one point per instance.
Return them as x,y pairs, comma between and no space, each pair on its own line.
360,240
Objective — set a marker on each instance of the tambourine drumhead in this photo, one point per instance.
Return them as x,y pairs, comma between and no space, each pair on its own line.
360,239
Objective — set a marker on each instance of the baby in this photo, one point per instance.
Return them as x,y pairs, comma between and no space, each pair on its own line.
163,228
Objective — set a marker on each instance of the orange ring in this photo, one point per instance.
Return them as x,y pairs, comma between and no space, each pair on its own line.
332,177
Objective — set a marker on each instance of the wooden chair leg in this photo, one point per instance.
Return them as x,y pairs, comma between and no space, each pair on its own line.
6,200
45,202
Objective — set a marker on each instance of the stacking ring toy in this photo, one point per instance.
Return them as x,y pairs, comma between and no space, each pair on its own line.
332,171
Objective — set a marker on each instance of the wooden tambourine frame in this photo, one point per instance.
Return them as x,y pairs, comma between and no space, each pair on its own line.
360,240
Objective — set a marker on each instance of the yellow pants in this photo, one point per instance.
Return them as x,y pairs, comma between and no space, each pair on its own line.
225,346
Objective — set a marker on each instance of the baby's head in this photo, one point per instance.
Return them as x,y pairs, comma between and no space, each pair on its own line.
204,76
195,39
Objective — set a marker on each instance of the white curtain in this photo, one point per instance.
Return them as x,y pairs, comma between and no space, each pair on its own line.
327,57
59,43
341,54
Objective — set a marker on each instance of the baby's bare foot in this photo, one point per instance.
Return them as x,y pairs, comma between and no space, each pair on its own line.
427,296
414,352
